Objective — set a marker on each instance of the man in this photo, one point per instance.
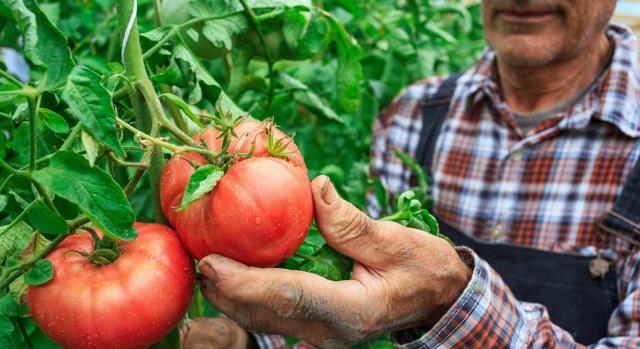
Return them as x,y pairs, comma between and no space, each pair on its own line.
533,168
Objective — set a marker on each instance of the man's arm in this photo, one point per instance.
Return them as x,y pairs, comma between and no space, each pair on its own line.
487,315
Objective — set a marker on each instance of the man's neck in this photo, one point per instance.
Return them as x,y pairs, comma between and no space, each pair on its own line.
531,90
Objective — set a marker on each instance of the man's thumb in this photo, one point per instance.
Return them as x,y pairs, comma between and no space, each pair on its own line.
344,227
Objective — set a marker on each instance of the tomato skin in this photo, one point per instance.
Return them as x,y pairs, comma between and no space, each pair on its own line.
260,211
130,303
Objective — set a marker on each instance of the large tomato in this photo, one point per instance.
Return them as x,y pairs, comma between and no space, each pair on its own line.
260,211
130,303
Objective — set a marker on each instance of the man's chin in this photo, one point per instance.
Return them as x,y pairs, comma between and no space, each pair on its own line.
525,51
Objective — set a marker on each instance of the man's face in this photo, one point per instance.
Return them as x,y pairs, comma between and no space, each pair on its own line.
532,33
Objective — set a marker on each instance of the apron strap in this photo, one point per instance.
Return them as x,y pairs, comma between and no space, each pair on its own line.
434,112
623,220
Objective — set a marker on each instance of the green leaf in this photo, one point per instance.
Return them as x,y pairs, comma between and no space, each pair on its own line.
54,121
177,101
294,28
14,239
220,32
42,218
90,103
8,306
93,190
7,337
349,73
308,98
44,44
3,202
202,181
91,146
40,273
202,74
329,264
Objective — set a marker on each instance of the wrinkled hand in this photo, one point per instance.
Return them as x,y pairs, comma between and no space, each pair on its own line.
402,278
213,333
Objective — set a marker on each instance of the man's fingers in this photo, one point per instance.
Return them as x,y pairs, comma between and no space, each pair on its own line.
350,231
286,293
212,333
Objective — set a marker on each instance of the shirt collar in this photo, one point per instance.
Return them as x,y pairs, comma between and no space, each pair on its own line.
618,89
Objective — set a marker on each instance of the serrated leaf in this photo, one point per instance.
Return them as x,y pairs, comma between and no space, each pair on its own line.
294,28
90,103
14,239
54,121
90,146
42,218
202,181
156,34
201,72
224,7
40,273
220,32
308,98
44,44
178,102
93,190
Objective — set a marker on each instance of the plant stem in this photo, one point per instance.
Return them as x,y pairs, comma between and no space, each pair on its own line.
18,219
33,110
11,170
148,118
155,108
172,147
174,111
10,274
267,55
11,78
24,334
71,137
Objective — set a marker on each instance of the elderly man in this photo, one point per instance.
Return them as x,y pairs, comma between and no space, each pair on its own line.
533,156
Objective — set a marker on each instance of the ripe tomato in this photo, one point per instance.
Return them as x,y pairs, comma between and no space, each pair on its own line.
130,303
260,211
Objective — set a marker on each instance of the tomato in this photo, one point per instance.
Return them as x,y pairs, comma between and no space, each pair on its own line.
177,12
131,303
260,211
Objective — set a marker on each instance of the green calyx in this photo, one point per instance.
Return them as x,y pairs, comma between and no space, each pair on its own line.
277,147
105,250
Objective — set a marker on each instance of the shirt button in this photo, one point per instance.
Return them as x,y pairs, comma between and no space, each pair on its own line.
516,155
497,232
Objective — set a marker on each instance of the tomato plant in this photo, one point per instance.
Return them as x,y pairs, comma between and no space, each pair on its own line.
149,281
103,103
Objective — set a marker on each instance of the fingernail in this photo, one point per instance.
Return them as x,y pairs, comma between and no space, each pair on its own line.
328,192
207,270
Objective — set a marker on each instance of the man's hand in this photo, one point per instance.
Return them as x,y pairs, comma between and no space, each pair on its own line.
402,278
213,333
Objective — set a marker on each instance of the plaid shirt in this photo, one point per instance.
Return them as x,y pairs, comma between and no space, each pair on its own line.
546,189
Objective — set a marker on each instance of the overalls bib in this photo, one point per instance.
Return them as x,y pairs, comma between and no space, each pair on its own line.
577,301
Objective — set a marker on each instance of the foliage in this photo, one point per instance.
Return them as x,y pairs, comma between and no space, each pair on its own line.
86,129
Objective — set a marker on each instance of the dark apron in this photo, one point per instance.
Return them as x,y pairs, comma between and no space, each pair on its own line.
577,301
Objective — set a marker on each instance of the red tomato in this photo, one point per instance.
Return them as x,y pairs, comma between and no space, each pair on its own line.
260,211
130,303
